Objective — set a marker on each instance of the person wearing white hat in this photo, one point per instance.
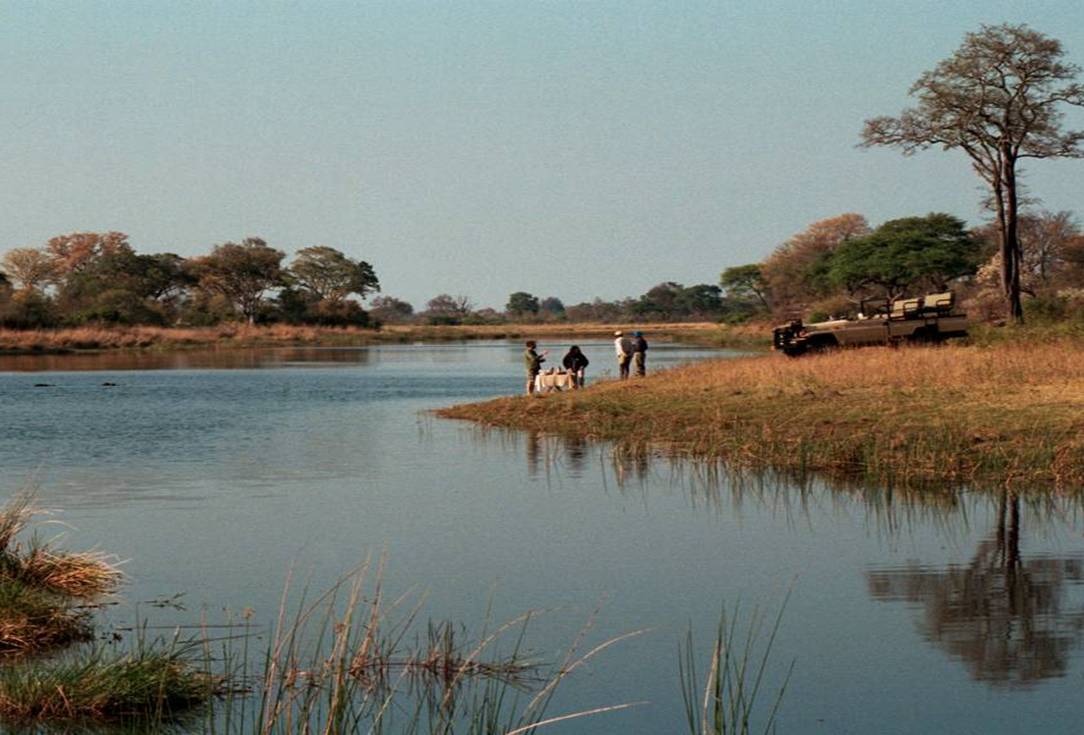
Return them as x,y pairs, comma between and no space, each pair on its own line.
623,348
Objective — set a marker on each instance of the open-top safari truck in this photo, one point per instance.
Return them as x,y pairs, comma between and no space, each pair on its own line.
929,319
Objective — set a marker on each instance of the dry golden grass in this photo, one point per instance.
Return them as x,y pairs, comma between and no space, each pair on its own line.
1011,414
243,335
105,338
83,574
38,565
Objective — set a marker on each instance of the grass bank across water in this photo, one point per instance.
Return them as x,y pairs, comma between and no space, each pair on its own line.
242,335
1009,414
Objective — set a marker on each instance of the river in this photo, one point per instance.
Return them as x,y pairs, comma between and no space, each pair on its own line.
215,473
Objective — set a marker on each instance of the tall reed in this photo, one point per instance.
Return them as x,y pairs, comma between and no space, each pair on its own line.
729,701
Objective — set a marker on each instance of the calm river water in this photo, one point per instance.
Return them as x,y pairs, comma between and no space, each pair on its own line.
216,473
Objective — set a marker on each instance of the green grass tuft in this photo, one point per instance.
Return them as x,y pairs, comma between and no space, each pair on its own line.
156,683
33,620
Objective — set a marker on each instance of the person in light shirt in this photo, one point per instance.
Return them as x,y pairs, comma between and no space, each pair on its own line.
623,348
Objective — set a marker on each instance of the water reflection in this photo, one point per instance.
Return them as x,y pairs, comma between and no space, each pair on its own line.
1011,621
225,359
1012,617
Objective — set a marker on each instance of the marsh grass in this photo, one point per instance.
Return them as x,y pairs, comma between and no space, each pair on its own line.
34,620
39,586
1012,414
156,682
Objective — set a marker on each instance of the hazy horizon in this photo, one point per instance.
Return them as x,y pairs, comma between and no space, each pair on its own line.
475,148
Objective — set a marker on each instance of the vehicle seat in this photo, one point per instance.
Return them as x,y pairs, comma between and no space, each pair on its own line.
903,308
940,303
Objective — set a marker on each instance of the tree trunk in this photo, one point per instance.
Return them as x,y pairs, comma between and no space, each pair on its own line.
1010,242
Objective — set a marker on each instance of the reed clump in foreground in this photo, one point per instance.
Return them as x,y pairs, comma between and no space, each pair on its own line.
40,586
46,598
39,564
155,683
1006,414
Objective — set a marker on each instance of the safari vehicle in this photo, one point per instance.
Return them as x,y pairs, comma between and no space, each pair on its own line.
929,319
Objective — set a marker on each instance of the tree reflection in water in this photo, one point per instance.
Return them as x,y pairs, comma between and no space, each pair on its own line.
1013,622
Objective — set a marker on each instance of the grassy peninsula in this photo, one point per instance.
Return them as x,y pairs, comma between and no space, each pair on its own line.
1005,414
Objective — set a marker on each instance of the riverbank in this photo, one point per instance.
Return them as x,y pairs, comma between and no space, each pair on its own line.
1005,415
241,335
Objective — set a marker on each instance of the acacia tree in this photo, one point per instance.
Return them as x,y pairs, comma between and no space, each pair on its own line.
998,99
904,254
330,275
745,281
242,273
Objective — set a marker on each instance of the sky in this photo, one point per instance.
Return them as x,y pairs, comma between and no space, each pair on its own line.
573,149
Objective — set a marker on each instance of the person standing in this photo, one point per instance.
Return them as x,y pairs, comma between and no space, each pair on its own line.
575,362
533,362
639,353
623,349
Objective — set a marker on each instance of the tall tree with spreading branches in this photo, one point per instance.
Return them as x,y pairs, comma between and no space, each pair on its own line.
242,273
998,98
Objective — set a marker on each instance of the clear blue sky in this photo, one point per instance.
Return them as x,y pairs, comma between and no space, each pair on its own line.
576,149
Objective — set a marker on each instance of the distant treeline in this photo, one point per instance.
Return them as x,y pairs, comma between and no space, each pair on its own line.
827,269
99,278
666,302
835,263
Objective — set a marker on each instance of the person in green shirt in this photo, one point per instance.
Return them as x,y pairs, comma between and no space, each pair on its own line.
533,362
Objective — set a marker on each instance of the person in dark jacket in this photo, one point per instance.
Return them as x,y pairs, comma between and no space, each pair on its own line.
533,362
639,353
575,362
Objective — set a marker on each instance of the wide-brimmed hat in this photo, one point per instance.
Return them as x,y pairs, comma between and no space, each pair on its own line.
618,333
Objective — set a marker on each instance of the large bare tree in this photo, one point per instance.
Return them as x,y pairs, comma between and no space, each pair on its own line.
999,98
